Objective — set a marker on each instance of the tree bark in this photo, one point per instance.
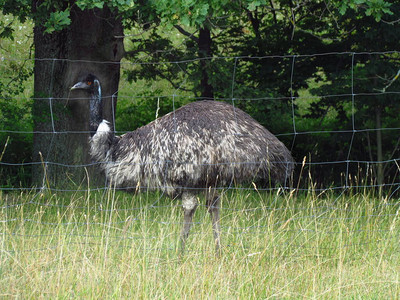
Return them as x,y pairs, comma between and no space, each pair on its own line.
61,121
205,51
379,152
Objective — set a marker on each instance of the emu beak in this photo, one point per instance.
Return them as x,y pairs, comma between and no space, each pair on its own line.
79,85
75,86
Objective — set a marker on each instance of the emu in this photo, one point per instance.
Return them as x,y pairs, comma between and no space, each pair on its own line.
196,148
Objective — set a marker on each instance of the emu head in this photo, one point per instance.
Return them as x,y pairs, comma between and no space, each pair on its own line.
91,85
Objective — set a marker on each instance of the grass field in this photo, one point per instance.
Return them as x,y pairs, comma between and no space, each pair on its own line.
118,245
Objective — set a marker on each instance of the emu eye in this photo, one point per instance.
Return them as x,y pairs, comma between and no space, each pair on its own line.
89,83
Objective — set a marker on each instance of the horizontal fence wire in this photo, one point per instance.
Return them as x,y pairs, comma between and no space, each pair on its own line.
74,228
293,97
38,197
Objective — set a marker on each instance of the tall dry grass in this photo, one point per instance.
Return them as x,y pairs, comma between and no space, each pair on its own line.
119,245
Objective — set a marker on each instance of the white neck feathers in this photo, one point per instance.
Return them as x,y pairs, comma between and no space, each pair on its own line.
100,143
103,127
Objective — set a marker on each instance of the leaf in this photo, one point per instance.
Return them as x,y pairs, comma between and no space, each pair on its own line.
253,5
185,20
7,32
204,10
57,21
98,4
343,8
90,4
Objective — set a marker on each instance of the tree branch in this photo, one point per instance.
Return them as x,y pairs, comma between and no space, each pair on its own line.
185,33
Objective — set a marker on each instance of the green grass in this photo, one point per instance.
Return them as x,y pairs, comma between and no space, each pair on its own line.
117,245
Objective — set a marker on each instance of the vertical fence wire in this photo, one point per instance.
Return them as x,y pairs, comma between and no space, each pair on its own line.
236,64
347,185
233,99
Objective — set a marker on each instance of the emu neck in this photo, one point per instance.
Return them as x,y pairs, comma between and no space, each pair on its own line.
96,111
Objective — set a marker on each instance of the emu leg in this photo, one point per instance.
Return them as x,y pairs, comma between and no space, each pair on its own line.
189,204
213,205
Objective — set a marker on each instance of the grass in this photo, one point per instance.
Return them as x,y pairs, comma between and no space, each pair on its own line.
118,245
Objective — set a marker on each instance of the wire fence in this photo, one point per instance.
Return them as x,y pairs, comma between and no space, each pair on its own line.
352,92
354,162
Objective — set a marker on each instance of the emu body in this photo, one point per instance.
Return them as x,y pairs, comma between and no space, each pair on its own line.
198,147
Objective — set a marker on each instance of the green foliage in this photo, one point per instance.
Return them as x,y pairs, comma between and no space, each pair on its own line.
121,5
57,21
253,5
15,104
365,75
85,4
55,14
374,8
198,13
19,8
15,134
7,30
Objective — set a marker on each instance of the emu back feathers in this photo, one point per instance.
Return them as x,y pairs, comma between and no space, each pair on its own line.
202,144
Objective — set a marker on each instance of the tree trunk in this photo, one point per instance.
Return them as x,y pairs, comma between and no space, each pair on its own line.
61,122
379,152
205,51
